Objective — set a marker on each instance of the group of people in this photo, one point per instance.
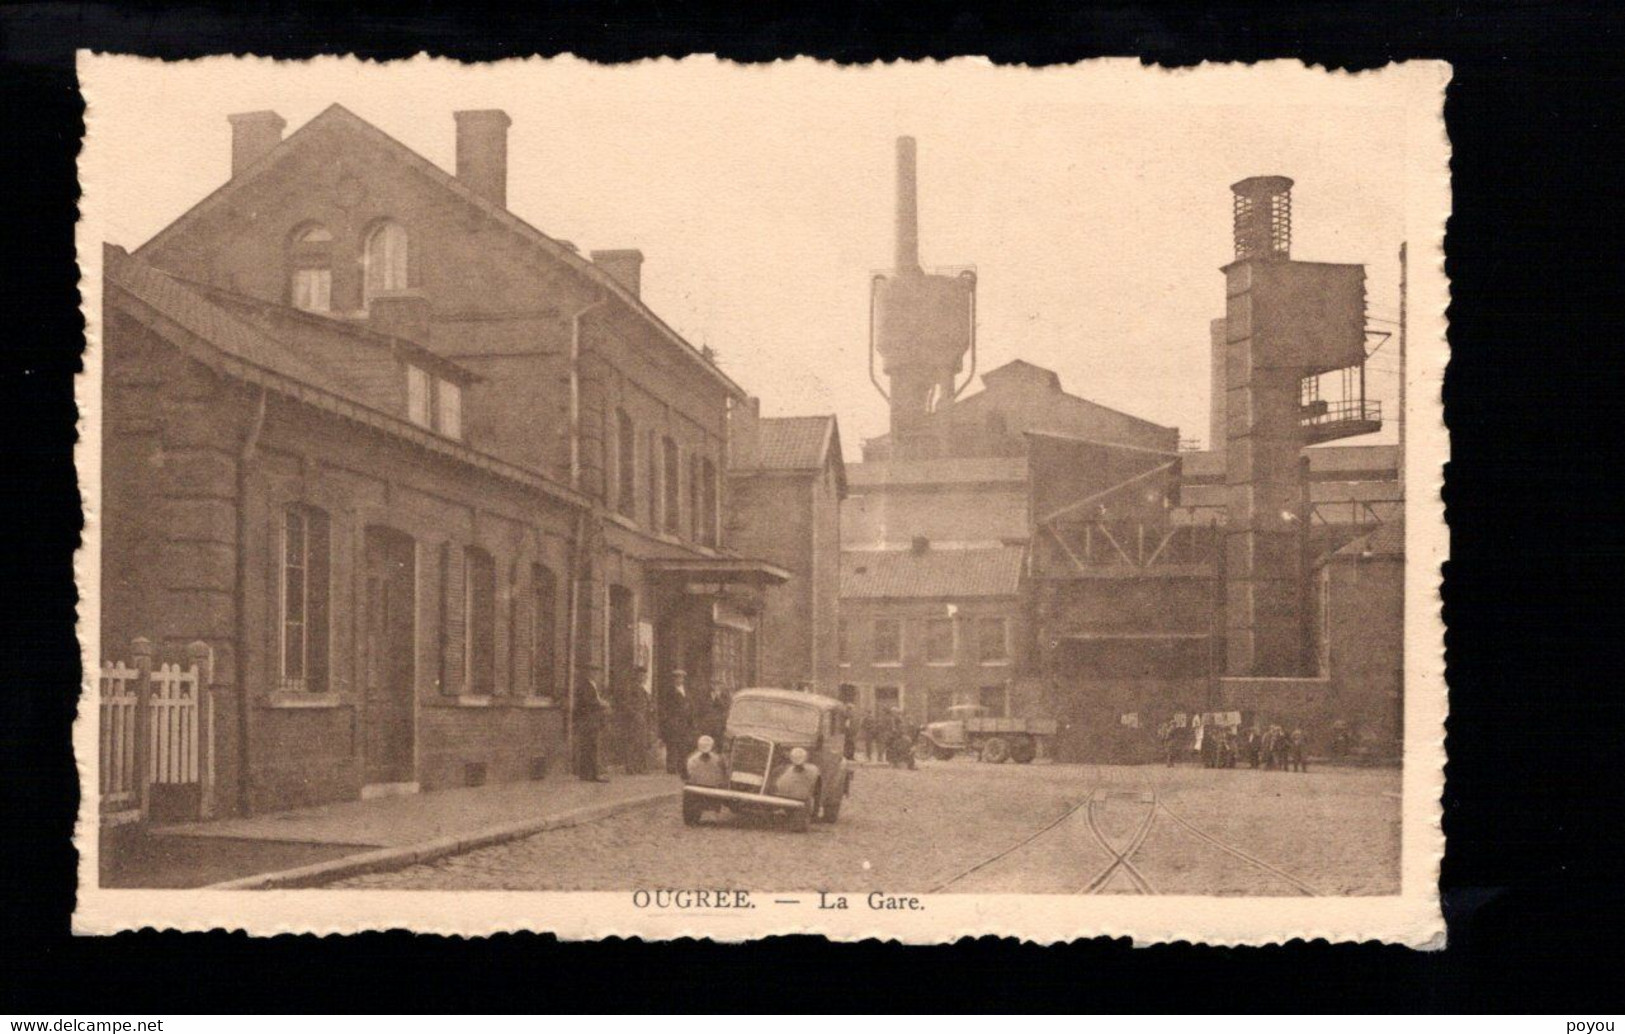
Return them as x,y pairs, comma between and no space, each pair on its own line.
683,716
886,733
1222,746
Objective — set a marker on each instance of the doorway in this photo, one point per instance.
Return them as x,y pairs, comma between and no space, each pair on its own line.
389,662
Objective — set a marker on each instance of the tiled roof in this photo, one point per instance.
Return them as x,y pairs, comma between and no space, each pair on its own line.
963,470
196,314
794,442
1386,540
934,573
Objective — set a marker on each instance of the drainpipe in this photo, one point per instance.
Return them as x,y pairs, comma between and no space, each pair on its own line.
245,456
575,391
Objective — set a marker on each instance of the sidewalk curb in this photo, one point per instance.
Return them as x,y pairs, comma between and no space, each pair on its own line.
388,858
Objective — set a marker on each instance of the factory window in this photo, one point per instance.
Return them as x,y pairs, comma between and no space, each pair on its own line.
672,486
433,403
939,641
303,624
544,589
888,645
310,285
992,641
384,261
626,469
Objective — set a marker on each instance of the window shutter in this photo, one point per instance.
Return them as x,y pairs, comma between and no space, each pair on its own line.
318,544
453,638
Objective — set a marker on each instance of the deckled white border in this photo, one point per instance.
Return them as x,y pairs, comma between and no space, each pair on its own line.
1413,917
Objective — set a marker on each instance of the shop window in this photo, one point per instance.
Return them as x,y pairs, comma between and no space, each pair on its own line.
303,609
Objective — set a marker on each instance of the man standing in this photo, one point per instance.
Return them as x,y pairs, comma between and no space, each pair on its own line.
866,732
1296,746
588,716
674,723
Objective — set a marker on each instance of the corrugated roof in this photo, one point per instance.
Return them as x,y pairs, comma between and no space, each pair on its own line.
894,574
960,470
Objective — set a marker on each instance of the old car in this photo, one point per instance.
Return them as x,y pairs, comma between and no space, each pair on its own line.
970,728
767,731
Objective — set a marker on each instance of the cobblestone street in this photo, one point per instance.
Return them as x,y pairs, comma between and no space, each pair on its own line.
1335,831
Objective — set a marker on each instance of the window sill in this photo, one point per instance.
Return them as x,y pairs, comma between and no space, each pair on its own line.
544,703
292,700
471,700
885,664
995,664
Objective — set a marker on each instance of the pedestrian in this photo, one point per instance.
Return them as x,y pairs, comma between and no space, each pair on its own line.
849,737
1165,736
676,725
590,709
866,733
1296,748
1198,736
1254,745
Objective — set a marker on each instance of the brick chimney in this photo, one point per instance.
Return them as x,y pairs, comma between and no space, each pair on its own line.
745,433
625,265
403,314
482,153
253,135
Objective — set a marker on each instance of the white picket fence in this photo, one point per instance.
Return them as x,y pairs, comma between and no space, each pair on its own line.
154,727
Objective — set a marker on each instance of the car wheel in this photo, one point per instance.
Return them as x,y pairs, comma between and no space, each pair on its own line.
925,751
1023,750
995,750
692,811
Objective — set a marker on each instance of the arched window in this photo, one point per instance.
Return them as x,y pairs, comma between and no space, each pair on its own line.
544,661
310,262
384,260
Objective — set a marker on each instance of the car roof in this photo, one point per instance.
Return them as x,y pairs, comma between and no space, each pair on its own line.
792,695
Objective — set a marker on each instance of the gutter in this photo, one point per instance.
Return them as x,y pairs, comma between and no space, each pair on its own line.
245,456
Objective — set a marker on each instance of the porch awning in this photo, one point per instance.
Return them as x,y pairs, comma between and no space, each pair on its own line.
716,571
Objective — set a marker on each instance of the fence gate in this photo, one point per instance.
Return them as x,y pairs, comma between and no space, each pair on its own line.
155,732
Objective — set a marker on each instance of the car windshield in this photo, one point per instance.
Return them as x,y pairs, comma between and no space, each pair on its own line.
783,715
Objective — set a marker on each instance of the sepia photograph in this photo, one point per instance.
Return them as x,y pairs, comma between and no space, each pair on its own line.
691,499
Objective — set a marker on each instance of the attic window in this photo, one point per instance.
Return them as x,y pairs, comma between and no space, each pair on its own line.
434,403
384,260
310,264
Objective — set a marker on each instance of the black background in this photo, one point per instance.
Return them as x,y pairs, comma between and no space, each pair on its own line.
1533,812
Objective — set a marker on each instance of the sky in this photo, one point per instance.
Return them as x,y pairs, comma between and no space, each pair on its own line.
1093,201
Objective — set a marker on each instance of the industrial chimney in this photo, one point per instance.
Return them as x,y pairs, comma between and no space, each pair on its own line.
482,153
625,265
908,215
253,135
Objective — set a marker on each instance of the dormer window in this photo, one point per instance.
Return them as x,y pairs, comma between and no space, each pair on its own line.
434,403
384,261
310,256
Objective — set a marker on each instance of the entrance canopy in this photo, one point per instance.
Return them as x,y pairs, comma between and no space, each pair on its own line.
719,571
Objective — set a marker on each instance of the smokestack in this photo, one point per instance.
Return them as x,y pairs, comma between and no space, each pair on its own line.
482,153
908,216
253,135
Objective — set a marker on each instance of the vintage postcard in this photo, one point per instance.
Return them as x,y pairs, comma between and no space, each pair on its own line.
695,499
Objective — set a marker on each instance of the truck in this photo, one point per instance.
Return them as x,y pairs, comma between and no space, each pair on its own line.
970,729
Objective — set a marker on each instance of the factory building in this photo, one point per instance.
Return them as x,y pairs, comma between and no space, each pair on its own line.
1154,583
